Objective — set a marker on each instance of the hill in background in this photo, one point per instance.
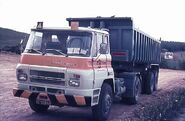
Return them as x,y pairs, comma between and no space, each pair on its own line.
10,39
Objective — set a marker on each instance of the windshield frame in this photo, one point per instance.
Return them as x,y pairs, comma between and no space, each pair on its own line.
58,31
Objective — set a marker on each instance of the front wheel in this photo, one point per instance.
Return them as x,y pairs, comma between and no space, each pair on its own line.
37,107
102,110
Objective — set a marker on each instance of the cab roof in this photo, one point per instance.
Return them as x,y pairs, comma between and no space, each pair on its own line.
82,29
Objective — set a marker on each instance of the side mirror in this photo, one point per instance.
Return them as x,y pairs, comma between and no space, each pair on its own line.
103,48
21,46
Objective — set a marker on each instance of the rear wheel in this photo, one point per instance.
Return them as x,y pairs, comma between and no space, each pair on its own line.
150,82
156,80
37,107
136,92
102,110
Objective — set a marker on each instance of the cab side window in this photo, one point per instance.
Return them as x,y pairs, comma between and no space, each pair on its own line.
105,40
99,40
94,46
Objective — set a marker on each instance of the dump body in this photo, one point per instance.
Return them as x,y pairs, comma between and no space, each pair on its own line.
128,45
75,67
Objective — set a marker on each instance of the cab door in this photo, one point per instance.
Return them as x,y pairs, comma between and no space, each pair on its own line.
99,61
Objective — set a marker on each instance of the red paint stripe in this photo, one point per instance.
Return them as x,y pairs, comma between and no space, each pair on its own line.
60,61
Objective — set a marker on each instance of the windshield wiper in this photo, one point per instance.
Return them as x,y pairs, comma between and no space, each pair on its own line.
58,51
33,51
61,53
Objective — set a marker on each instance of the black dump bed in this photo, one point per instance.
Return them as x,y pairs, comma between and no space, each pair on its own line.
127,43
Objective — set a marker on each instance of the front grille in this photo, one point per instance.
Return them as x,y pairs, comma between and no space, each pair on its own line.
46,77
47,74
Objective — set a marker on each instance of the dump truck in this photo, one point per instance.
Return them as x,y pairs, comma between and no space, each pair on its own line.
89,63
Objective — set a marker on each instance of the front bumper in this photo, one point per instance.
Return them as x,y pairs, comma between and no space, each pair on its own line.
59,95
55,99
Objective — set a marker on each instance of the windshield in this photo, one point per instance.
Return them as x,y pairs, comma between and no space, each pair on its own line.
72,43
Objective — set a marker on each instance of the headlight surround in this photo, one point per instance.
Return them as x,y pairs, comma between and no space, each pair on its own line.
74,80
21,76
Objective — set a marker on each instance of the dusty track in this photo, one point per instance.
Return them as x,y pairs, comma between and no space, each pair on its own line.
17,109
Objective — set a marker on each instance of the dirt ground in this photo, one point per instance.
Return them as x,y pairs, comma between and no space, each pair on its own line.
17,109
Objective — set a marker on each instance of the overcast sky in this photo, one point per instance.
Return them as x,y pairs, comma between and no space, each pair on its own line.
158,18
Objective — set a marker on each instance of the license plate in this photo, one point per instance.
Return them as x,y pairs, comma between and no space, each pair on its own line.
43,102
43,99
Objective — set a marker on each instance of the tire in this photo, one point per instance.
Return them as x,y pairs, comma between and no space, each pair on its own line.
156,80
149,84
102,110
136,92
37,107
143,81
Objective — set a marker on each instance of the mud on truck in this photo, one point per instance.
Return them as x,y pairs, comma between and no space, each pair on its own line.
89,63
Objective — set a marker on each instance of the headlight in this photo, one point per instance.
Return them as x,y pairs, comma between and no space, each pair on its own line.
21,76
74,81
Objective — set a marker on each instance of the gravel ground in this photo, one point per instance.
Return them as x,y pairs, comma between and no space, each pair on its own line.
178,115
17,109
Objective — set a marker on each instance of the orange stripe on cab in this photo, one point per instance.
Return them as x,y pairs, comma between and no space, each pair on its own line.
56,61
61,61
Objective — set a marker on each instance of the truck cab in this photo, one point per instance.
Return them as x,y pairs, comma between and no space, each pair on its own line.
65,66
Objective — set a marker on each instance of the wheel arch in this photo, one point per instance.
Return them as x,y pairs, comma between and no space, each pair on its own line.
110,82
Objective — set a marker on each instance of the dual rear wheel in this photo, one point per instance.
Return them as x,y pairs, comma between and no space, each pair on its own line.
135,92
151,82
147,83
